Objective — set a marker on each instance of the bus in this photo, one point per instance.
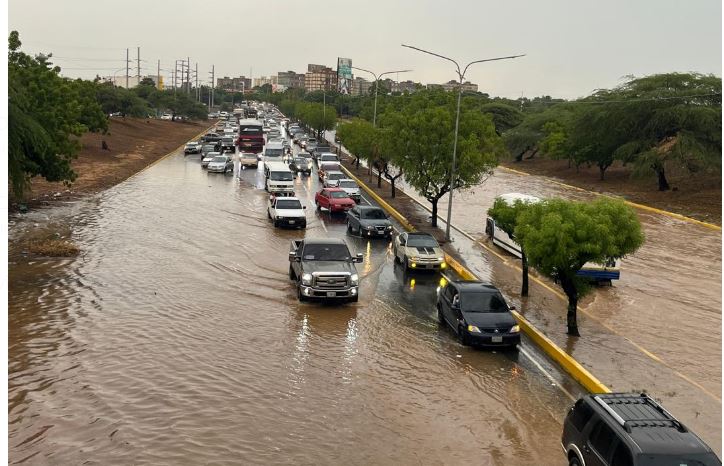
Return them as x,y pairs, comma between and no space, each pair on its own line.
600,273
251,136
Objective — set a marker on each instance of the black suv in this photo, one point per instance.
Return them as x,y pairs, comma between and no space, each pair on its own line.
626,429
478,313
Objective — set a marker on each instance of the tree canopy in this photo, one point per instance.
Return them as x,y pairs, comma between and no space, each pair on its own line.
560,236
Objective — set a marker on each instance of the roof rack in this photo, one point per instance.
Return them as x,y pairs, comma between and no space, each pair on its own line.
631,410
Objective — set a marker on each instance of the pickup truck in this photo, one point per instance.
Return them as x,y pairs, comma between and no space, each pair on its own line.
286,211
323,268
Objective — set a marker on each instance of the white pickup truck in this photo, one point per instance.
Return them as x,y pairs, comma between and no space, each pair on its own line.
287,211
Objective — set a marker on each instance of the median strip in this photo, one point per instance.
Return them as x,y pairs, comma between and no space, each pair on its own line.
563,359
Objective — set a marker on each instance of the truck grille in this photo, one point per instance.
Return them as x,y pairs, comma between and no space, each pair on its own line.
331,282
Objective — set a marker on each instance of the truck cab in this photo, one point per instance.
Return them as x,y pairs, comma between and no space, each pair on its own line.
278,178
323,268
287,211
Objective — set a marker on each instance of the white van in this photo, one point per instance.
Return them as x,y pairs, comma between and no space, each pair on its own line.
595,272
273,151
278,178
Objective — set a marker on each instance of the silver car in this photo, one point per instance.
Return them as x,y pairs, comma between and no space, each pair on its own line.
221,164
208,158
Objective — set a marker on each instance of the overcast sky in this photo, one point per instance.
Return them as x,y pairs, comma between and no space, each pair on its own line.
572,46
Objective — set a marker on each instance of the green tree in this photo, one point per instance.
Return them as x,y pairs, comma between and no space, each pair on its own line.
506,218
504,116
560,236
360,138
46,116
424,134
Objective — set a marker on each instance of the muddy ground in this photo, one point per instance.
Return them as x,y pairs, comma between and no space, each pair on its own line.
697,196
133,143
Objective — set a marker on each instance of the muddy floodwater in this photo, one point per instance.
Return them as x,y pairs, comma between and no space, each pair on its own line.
176,338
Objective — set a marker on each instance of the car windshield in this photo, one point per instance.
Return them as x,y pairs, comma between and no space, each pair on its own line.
300,161
219,159
289,204
328,158
336,176
273,152
329,167
192,144
338,194
348,184
422,241
208,148
326,252
374,214
281,176
482,302
248,129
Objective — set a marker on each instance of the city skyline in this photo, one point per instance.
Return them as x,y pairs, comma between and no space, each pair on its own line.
571,49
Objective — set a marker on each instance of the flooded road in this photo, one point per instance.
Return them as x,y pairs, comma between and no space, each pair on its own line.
176,338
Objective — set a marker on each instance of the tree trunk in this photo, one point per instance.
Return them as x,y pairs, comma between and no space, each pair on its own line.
602,171
569,287
357,163
392,182
524,266
663,183
379,177
434,211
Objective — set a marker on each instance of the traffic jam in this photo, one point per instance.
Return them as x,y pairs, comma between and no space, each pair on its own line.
325,218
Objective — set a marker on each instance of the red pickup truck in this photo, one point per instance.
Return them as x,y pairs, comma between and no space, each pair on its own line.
334,200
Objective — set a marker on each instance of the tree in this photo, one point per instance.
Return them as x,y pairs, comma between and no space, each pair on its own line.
506,218
560,236
504,116
424,136
361,138
46,116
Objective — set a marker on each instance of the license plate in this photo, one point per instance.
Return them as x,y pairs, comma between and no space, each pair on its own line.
331,294
497,339
380,232
292,222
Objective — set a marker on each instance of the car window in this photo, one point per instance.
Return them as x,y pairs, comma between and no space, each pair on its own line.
422,241
621,455
323,193
582,412
375,214
602,439
288,204
483,302
447,292
338,194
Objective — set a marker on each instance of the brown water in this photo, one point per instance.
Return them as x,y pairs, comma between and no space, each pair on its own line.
176,338
658,328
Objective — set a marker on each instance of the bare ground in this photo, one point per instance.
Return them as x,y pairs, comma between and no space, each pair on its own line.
695,195
133,143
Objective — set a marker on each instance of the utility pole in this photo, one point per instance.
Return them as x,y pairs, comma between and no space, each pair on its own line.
188,72
211,101
158,75
138,63
198,94
127,68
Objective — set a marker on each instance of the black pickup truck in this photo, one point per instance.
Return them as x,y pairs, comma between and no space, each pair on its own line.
323,268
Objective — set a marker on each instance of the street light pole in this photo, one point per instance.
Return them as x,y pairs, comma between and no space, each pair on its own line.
461,76
377,85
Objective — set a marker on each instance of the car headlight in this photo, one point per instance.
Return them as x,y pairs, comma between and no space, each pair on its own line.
307,279
441,259
473,329
369,227
355,279
515,328
414,258
389,227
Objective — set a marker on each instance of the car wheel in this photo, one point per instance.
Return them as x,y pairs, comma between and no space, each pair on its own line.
354,300
349,228
292,276
276,224
440,316
268,214
407,263
573,461
463,337
397,259
300,296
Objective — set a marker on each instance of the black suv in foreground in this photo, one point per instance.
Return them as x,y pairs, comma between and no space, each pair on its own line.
626,429
478,313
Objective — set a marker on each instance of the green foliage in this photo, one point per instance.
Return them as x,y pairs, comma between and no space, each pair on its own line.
316,116
46,115
560,236
360,138
504,116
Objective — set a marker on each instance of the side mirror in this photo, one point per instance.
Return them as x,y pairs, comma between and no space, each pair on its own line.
511,308
304,207
358,258
293,257
402,242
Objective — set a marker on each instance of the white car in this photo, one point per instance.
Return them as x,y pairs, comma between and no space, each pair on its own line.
248,159
208,158
418,251
351,188
221,164
331,179
287,211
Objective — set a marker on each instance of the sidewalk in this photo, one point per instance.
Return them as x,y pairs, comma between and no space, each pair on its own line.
616,360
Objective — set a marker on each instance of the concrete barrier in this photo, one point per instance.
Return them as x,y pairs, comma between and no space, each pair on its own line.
563,359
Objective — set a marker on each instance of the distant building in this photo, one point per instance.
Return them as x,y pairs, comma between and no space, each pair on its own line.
233,84
260,81
360,86
406,87
320,78
290,79
453,86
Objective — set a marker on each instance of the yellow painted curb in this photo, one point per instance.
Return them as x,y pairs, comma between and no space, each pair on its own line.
564,360
632,204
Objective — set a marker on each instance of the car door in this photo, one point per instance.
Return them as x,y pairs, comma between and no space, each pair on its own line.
599,446
323,199
401,241
353,218
445,302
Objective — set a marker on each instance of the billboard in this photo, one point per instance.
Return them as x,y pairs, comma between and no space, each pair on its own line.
344,75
